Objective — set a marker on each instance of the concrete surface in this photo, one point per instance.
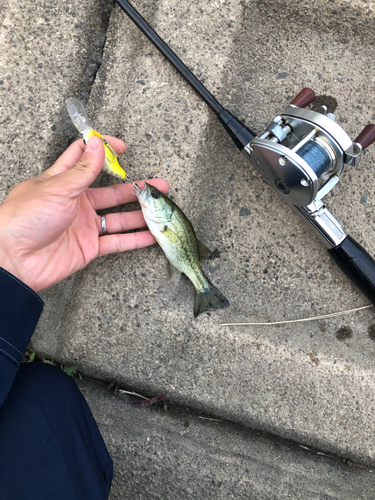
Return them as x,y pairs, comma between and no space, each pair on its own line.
121,318
177,454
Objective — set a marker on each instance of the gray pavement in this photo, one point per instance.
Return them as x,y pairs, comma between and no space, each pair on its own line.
121,318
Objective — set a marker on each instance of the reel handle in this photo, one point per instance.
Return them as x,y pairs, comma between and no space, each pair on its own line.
304,98
366,137
357,264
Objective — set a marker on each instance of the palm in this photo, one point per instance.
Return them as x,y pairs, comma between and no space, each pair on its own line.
84,233
76,245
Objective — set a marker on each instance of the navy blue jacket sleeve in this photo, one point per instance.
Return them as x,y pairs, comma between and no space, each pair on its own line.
20,309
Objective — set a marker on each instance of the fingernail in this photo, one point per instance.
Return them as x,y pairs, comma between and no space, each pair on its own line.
92,144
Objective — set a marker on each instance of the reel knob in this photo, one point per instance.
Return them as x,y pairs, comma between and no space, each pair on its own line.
304,98
366,137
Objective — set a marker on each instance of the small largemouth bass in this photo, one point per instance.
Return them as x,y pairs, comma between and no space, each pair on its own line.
174,233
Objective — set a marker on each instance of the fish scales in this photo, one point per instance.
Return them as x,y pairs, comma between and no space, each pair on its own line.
175,234
184,253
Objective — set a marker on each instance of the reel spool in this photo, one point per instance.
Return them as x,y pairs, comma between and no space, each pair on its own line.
303,152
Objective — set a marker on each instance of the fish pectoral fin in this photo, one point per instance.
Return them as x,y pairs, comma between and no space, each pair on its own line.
176,274
169,234
204,252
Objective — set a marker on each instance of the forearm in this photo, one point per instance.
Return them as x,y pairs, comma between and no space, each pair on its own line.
20,309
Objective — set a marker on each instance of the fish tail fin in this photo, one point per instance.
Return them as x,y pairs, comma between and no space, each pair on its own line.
209,298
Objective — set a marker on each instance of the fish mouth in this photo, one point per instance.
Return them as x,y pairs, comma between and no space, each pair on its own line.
138,190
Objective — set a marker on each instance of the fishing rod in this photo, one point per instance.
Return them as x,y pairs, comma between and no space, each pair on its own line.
301,155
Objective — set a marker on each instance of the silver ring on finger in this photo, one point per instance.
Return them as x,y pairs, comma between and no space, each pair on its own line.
104,226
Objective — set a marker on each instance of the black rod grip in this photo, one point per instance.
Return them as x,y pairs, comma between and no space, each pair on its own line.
357,264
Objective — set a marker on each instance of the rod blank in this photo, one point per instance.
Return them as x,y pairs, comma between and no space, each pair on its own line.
240,134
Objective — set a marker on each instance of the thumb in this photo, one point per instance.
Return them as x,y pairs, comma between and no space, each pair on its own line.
83,173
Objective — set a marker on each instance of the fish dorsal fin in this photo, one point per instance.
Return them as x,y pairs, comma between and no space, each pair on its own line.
176,274
203,251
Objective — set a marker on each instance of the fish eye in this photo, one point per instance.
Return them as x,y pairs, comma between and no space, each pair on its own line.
155,194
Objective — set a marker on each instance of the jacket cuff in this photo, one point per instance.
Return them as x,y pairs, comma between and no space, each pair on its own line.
20,310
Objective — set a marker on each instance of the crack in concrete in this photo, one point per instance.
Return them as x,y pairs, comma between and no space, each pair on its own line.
93,65
217,420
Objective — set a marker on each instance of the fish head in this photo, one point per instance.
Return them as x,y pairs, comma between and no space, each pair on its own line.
153,202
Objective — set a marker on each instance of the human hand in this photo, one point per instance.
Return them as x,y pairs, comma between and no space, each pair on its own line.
49,227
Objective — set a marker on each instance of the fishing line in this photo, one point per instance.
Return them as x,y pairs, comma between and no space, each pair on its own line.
331,315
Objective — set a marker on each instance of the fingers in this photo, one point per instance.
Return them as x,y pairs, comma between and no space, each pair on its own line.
121,222
71,183
118,194
74,152
116,243
83,173
125,221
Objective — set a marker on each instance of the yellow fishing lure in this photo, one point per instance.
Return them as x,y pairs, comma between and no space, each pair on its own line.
81,121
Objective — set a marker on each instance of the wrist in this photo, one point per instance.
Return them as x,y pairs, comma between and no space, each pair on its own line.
11,269
10,266
10,257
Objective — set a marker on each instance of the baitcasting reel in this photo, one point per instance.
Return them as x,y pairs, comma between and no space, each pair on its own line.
301,155
301,149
